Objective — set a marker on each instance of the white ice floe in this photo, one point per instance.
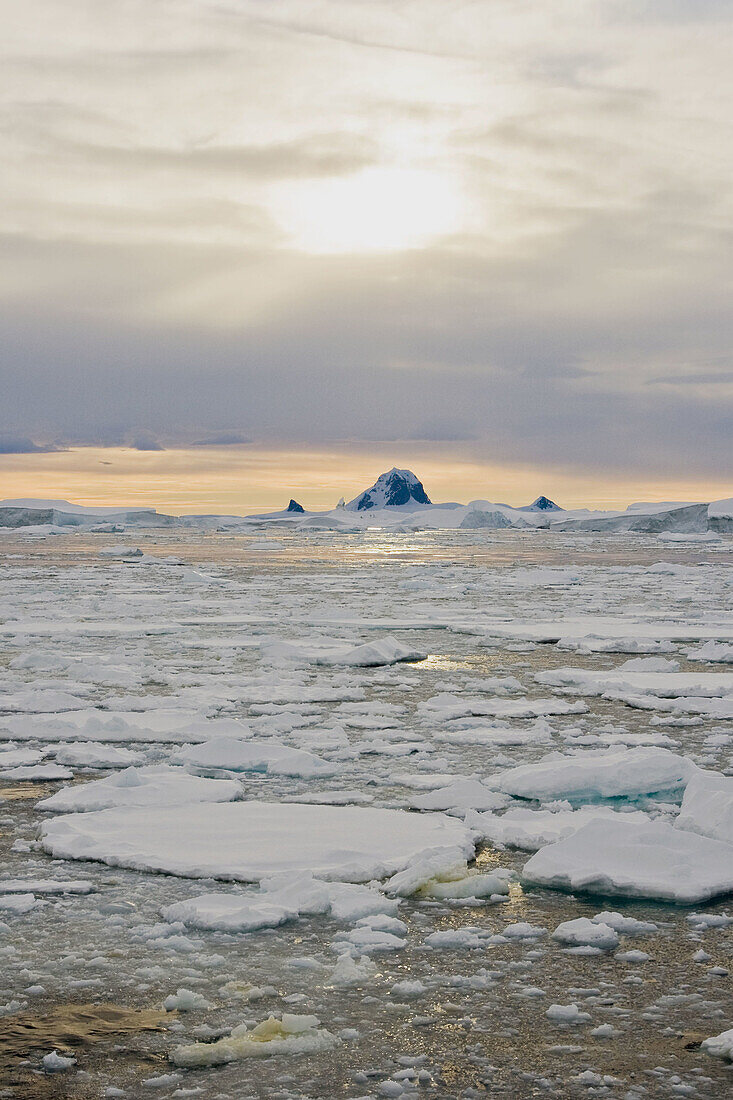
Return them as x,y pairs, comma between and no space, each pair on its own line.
155,786
271,757
288,1035
186,1000
167,725
18,903
665,685
351,970
653,860
281,898
93,754
719,1046
46,886
715,652
707,806
459,797
616,773
36,773
629,926
532,829
447,707
250,841
381,651
583,932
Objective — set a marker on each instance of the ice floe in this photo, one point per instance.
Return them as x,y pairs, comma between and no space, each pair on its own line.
654,860
250,841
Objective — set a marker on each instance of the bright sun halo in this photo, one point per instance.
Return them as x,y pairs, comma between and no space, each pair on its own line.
375,210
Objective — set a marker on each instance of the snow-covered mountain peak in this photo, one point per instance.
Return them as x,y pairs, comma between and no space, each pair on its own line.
393,489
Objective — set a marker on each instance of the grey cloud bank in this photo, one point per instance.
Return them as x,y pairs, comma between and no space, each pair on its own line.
577,313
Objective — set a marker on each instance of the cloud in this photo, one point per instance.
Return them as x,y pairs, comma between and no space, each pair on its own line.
578,316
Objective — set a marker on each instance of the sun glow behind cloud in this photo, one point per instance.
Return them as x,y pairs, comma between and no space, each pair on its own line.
379,209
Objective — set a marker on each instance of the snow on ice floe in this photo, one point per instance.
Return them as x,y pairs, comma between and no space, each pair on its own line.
281,898
707,806
651,860
152,786
665,685
249,841
533,829
447,707
381,651
271,757
459,797
569,631
598,774
165,726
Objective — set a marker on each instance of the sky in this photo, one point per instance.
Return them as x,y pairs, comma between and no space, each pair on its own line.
251,247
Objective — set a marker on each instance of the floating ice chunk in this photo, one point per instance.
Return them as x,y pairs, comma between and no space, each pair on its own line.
18,903
57,1063
719,1046
567,1014
446,707
586,933
351,971
712,651
36,773
441,864
632,956
494,884
649,664
46,886
93,754
289,1035
616,773
407,990
532,829
272,757
381,651
185,1000
663,684
153,786
364,940
523,930
281,898
470,938
335,798
250,841
461,796
630,926
707,806
653,860
229,912
497,734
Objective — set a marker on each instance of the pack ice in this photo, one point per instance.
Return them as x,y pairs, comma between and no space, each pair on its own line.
250,841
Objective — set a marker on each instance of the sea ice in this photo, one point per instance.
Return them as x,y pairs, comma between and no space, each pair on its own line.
586,933
250,841
618,773
134,787
289,1035
532,829
272,757
653,860
707,806
720,1046
459,797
